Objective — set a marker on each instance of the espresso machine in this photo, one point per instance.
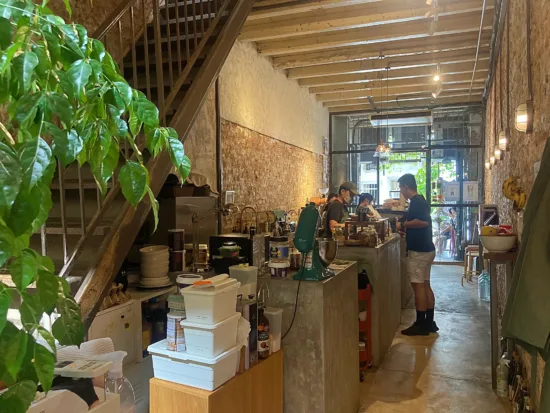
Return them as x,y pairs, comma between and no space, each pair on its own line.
318,252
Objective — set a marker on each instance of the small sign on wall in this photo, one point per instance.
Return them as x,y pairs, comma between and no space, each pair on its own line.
471,191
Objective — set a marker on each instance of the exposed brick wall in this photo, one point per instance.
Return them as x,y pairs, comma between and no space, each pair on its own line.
525,149
266,173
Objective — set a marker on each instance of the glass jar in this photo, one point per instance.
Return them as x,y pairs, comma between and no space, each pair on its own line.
279,250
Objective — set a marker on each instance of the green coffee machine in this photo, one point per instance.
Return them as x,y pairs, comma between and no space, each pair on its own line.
318,252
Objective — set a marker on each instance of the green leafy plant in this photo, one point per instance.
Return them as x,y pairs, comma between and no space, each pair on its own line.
65,101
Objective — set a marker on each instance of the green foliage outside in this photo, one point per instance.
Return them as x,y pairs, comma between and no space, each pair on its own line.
66,102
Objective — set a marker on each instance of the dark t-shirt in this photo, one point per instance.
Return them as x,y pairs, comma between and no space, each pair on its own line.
336,211
419,239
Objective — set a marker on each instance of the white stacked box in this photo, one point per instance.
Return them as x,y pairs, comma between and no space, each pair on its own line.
183,368
210,332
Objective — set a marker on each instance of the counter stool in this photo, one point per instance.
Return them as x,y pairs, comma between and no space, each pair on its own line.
470,254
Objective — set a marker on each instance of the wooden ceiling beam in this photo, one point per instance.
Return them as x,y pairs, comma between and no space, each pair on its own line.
372,65
325,93
420,103
467,67
355,16
390,48
393,91
422,94
278,8
467,22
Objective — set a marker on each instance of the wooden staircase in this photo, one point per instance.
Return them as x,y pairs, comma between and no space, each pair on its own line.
172,53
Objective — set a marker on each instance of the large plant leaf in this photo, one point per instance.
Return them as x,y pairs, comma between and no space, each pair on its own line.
98,50
30,312
146,111
27,371
177,154
24,211
47,290
10,177
7,240
134,123
18,397
66,145
117,126
44,362
79,74
52,42
44,62
48,337
23,69
133,179
58,104
153,139
44,207
154,206
6,33
72,39
124,92
68,328
6,9
26,108
35,157
24,269
68,7
5,301
13,343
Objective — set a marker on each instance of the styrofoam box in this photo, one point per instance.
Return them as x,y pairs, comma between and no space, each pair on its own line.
201,372
211,305
211,340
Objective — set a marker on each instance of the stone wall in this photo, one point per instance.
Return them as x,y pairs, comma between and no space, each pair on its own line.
255,95
265,172
525,149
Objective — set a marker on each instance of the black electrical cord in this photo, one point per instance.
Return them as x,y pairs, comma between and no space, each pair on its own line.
297,295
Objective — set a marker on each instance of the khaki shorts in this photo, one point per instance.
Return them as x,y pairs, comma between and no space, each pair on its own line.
419,265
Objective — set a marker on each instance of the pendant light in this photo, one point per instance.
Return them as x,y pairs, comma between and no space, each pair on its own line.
503,136
388,147
383,149
524,112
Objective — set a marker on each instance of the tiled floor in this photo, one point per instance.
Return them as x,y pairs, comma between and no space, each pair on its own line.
441,373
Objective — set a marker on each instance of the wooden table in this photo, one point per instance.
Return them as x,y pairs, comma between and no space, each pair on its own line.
498,258
259,389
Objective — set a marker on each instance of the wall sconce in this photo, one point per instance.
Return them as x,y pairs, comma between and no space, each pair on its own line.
524,117
488,165
503,141
498,154
492,160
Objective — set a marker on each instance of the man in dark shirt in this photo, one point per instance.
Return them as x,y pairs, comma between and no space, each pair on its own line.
420,257
337,211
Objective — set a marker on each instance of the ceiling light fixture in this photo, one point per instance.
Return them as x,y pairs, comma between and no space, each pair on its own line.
437,92
524,112
437,76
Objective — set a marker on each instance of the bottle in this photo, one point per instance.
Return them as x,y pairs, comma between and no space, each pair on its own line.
264,340
116,383
502,378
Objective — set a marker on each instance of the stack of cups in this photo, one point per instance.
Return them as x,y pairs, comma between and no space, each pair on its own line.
176,242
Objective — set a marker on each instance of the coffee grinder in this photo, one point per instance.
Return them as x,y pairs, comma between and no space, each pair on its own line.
318,252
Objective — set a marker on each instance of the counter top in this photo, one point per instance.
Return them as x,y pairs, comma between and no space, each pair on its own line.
392,238
291,273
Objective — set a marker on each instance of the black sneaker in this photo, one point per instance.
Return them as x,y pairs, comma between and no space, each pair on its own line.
416,330
434,328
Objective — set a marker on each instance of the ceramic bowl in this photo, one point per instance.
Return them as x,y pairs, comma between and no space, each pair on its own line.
154,273
153,251
499,243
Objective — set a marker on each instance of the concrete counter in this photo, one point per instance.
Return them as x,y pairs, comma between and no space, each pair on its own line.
383,266
321,358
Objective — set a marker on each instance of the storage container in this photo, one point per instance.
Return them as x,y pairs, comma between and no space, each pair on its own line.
275,317
183,368
210,340
279,270
175,338
211,305
279,250
247,276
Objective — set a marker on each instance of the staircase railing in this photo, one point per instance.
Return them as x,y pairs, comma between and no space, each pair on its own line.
179,30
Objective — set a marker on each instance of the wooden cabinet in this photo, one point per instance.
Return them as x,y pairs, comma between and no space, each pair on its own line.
119,324
259,389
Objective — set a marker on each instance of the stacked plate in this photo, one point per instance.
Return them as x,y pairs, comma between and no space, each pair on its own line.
154,267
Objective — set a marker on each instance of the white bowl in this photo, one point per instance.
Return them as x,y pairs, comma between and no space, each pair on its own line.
153,250
498,243
156,273
154,265
154,282
156,257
